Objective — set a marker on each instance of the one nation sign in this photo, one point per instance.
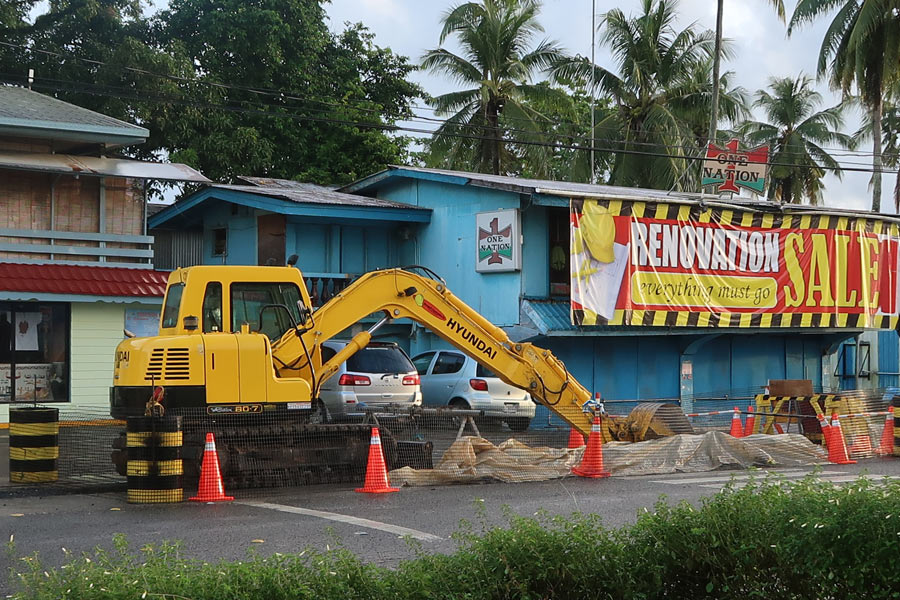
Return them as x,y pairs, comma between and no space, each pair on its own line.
729,169
683,265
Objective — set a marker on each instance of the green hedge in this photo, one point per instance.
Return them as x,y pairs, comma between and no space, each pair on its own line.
768,540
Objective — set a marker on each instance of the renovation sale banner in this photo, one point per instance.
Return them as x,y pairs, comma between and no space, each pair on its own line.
683,265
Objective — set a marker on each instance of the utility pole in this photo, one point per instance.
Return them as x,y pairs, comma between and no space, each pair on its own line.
593,91
717,59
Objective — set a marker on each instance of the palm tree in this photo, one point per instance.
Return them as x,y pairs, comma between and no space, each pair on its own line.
660,97
497,67
890,137
797,134
861,47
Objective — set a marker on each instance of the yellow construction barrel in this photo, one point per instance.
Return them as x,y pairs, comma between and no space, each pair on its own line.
896,404
33,444
155,471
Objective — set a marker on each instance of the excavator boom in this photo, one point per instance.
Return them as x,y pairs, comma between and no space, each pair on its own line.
402,294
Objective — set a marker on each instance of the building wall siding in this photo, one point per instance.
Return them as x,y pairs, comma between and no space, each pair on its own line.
97,328
240,237
174,249
124,206
448,246
25,203
888,359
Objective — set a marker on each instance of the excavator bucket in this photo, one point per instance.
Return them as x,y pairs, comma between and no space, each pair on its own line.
652,420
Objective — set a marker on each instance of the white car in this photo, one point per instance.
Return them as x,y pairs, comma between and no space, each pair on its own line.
451,378
380,373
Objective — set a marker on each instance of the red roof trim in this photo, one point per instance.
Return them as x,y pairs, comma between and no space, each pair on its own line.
82,280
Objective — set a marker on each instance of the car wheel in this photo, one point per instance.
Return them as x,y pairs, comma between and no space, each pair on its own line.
458,404
519,425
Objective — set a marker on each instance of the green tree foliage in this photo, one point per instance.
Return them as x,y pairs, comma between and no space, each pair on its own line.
298,101
13,16
569,131
861,47
660,96
500,102
798,136
331,82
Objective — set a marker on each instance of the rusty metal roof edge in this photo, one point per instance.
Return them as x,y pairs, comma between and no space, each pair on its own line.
100,166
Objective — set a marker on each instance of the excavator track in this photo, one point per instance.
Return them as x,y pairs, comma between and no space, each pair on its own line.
276,450
281,453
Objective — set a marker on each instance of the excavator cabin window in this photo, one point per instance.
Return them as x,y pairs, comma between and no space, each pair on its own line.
172,305
249,299
212,307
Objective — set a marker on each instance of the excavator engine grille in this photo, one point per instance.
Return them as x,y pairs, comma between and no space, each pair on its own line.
171,364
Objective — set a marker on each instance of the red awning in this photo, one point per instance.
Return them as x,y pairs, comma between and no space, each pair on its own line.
82,280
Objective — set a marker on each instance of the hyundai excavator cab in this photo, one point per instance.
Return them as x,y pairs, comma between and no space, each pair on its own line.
214,348
241,345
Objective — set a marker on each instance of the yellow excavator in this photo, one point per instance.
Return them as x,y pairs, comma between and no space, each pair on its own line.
240,347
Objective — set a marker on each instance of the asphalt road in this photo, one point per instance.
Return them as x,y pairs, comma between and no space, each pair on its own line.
323,516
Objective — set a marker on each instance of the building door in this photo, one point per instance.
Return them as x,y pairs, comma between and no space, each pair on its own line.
270,237
34,352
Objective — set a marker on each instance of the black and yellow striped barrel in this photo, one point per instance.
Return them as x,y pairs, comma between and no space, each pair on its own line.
33,444
896,404
155,471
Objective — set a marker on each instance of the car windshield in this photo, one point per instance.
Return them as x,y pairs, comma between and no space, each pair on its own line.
482,371
380,359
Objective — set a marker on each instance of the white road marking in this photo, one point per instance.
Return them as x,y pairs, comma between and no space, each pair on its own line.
359,522
758,475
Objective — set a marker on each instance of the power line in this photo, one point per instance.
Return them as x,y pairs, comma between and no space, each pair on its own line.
293,95
393,127
613,144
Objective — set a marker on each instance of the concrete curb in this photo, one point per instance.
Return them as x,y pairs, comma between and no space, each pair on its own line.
60,489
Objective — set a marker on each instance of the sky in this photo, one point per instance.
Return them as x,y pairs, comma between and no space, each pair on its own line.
759,42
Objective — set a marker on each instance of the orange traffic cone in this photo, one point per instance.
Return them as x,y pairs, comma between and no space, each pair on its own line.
211,488
376,471
592,460
837,449
737,429
576,440
887,436
751,422
826,430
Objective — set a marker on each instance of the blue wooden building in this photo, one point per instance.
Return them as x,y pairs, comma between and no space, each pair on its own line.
408,215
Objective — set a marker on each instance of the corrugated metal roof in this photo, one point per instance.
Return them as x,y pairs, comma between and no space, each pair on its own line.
548,315
318,196
93,165
567,189
289,184
530,186
82,280
155,207
20,107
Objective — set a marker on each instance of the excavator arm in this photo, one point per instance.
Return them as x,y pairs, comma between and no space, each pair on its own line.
400,294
